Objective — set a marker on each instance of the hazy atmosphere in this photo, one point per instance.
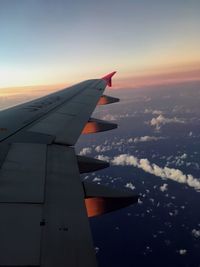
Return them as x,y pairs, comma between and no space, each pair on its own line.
62,42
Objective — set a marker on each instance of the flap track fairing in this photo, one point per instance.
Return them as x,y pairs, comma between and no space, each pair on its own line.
96,125
105,100
102,199
87,164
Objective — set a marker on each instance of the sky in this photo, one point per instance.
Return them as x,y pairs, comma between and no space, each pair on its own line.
47,42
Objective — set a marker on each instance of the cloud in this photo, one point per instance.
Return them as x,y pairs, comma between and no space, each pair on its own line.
157,112
96,179
115,117
96,249
183,156
130,185
164,187
154,112
196,233
147,138
161,120
140,201
100,148
179,160
109,117
125,159
146,111
190,134
182,159
102,157
173,213
166,173
119,143
182,251
85,151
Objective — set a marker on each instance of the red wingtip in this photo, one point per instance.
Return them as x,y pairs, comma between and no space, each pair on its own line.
108,78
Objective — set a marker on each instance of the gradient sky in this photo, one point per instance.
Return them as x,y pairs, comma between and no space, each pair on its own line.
57,42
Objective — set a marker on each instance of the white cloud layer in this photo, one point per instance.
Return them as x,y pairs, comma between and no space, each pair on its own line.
102,157
161,120
182,251
96,179
102,148
164,187
196,233
147,138
154,112
130,185
115,117
85,151
166,173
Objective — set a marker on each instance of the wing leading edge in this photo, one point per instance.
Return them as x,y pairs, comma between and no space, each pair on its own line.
44,205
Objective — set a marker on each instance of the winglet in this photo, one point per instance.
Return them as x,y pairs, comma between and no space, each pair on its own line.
108,78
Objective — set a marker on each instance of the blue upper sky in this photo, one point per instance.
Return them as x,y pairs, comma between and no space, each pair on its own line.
44,42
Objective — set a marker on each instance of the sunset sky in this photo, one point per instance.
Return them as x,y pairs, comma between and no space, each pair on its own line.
45,42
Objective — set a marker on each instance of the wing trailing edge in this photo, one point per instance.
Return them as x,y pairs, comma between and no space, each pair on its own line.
102,199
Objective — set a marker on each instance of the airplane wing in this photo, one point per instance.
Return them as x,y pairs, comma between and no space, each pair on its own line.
44,205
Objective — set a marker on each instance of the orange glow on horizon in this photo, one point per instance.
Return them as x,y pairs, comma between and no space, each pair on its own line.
31,91
133,79
159,77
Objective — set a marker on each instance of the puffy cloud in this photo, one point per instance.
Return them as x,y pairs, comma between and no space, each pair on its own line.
100,148
190,134
166,173
85,151
173,213
130,185
179,160
140,201
146,138
157,112
119,143
96,179
102,157
109,117
164,187
161,120
196,233
154,112
146,111
182,251
125,159
96,249
182,159
183,156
